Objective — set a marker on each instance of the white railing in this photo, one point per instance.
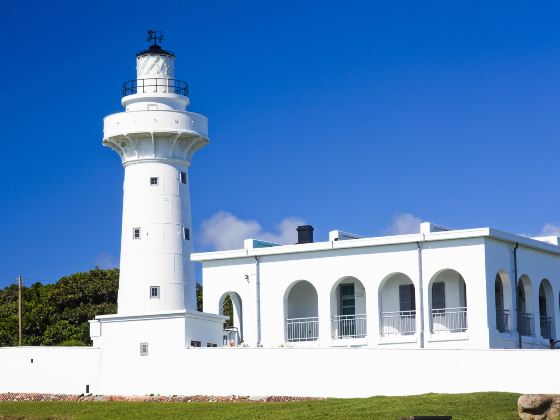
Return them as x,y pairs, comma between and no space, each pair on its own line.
502,320
397,323
302,329
446,320
546,327
231,336
525,323
349,326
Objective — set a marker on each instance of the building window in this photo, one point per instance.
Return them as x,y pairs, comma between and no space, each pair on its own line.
154,180
195,343
186,234
143,349
438,295
406,297
211,345
183,177
154,292
136,233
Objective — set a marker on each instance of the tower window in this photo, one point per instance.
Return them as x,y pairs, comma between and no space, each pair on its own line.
154,180
183,177
136,233
154,292
186,234
143,349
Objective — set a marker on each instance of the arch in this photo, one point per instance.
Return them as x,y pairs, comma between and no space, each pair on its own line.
397,305
447,295
524,298
231,304
502,300
546,309
301,312
348,308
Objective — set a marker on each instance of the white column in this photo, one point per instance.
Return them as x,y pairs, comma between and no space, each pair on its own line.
325,316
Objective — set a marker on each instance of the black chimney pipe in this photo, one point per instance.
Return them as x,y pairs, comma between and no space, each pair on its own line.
305,234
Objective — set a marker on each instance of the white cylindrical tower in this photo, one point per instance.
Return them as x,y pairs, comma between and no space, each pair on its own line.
155,138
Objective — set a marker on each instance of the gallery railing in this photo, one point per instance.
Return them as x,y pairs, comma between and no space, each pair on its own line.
546,327
446,320
302,329
155,85
524,323
397,323
502,320
349,326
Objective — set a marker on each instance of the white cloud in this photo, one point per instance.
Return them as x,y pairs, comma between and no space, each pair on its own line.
225,231
403,223
105,260
550,229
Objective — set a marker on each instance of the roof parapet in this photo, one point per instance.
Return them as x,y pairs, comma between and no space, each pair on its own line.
429,227
338,235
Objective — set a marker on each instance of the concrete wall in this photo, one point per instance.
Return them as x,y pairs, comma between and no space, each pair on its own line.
279,371
65,370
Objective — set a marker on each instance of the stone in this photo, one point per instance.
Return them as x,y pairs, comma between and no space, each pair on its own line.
539,406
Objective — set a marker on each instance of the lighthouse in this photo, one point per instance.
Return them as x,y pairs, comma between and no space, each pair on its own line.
156,138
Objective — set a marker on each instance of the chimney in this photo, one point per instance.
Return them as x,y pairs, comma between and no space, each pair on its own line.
305,234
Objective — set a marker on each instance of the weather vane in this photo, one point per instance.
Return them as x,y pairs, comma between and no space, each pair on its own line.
156,36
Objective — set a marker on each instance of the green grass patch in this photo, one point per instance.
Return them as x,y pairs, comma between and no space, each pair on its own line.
490,405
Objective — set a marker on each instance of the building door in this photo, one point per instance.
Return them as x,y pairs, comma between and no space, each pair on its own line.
347,323
347,299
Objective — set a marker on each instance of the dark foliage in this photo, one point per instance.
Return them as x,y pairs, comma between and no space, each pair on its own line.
55,314
58,314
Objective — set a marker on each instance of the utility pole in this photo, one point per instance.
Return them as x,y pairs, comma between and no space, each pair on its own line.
19,311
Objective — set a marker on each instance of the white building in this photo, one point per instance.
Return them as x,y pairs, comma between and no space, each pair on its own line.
348,317
439,288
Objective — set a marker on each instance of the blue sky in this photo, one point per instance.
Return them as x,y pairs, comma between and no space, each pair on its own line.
343,115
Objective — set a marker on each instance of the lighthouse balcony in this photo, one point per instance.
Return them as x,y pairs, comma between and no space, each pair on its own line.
155,121
155,85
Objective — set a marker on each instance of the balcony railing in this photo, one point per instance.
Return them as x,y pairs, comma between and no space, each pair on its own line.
446,320
546,327
349,326
155,85
502,320
231,336
397,323
524,323
302,329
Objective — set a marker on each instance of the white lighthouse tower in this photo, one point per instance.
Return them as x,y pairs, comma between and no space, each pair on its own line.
155,138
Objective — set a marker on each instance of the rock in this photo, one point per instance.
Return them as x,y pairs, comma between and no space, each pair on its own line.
539,406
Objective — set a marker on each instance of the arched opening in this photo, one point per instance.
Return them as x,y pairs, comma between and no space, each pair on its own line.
524,306
231,305
397,304
502,293
546,309
301,307
348,309
448,300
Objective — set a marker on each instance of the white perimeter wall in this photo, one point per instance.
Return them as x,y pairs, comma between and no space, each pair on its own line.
65,370
330,372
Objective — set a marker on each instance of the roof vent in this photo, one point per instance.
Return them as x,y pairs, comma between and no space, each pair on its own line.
305,234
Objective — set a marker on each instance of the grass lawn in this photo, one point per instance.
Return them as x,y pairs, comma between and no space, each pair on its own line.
492,405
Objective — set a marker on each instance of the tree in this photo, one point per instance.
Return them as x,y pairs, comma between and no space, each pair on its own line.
199,297
55,314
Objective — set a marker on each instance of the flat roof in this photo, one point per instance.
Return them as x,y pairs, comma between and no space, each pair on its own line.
381,241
